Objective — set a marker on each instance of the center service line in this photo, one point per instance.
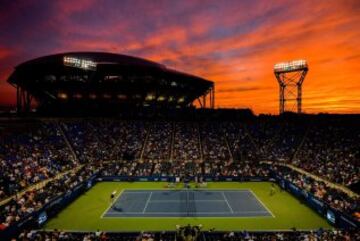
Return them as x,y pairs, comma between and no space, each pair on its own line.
147,202
227,202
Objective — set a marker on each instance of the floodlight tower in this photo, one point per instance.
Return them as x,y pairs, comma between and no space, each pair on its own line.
290,76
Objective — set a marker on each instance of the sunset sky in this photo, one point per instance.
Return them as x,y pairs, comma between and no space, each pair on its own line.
234,43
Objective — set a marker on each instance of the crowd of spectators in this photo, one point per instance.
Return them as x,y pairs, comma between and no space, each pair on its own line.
317,235
186,149
276,139
164,148
21,206
91,140
213,142
158,143
245,157
327,147
42,150
175,149
331,150
186,142
33,235
29,154
240,143
216,153
109,140
333,197
219,148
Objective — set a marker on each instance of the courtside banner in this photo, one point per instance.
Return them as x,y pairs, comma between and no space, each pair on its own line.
335,217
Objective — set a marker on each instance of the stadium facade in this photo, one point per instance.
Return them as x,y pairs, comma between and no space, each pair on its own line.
105,81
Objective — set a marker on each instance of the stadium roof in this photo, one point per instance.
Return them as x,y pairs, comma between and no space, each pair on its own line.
95,78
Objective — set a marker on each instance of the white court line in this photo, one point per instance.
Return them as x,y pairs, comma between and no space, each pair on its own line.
112,203
147,202
142,190
178,201
262,203
227,202
137,192
139,213
136,230
187,217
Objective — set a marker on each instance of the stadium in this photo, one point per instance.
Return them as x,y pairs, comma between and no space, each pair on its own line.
113,147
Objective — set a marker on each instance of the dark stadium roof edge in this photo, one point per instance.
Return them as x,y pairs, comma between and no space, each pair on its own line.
93,80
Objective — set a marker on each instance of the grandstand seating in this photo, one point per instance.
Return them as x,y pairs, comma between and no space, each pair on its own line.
31,154
331,150
328,150
40,150
204,236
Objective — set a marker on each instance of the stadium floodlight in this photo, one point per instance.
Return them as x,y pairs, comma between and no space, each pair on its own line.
290,66
290,76
85,64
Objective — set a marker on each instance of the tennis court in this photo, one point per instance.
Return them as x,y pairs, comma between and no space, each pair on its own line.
187,203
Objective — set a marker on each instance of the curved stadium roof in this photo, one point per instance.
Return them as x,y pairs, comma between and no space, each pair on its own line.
95,77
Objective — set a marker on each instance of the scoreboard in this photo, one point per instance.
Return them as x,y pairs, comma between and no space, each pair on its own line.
85,64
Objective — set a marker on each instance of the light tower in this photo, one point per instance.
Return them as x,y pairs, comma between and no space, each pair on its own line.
290,76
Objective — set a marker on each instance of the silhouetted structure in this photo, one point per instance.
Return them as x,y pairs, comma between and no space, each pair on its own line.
290,76
98,81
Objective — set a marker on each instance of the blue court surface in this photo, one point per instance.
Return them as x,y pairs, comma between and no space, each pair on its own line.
187,203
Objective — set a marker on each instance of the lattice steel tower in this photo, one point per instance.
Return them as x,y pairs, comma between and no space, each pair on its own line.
290,76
